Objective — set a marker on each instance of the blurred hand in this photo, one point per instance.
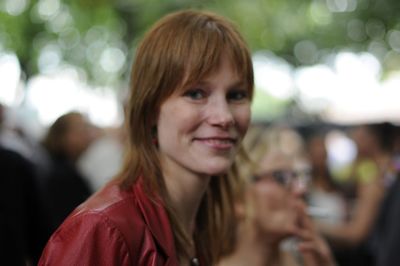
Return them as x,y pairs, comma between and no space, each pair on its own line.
311,245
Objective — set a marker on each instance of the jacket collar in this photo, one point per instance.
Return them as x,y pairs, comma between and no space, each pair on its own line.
157,220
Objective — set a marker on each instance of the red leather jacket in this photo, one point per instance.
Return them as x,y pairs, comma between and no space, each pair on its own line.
113,227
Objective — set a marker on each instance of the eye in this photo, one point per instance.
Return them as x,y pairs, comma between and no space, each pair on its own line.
195,94
280,176
237,95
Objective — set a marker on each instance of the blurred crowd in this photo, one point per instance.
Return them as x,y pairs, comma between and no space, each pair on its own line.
354,202
44,180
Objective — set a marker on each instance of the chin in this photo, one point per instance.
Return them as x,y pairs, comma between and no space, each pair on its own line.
217,169
217,173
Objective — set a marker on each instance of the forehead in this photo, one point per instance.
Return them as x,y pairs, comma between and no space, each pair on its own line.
274,161
225,64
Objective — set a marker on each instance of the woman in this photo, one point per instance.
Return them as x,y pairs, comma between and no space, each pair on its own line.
324,193
273,227
191,86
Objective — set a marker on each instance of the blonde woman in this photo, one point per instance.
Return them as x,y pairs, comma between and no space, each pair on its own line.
273,227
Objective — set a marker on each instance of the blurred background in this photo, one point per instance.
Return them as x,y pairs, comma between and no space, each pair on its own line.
322,67
335,61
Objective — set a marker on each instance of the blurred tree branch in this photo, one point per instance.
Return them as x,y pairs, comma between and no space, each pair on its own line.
81,32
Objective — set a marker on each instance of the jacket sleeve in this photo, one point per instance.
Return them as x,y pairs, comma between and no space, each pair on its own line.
87,239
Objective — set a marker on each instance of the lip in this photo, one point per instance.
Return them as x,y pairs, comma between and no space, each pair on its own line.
219,143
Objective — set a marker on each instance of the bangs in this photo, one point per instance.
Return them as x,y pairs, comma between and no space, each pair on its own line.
179,51
209,46
194,45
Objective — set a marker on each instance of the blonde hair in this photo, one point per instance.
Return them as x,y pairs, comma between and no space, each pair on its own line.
179,50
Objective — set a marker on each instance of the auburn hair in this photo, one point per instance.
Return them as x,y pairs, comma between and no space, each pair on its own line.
179,50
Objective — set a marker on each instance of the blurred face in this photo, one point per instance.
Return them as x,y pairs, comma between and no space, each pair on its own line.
200,128
364,139
273,197
317,152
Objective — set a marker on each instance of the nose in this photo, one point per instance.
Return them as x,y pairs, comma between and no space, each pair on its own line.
300,186
299,189
220,113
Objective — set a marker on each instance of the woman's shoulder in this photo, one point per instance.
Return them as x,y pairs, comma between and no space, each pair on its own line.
112,224
112,207
108,199
86,238
96,230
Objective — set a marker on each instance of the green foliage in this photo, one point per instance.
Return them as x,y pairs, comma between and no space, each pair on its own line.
267,108
302,32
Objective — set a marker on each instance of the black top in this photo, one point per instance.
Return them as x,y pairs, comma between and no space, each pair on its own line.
387,231
63,190
22,234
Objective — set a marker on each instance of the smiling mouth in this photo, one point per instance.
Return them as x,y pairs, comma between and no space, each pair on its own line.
218,143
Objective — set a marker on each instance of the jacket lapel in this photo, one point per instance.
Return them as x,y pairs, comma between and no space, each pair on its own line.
156,218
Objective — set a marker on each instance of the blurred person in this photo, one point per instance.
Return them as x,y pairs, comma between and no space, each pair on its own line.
12,136
273,227
22,228
64,187
290,142
191,88
386,233
324,192
391,142
22,225
364,193
16,135
105,156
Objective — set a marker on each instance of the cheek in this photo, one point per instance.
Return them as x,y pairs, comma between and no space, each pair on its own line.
271,197
167,129
242,116
176,120
166,126
273,211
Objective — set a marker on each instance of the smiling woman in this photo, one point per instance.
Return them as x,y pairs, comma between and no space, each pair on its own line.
200,127
189,108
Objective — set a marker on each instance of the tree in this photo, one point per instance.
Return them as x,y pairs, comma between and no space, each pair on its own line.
98,37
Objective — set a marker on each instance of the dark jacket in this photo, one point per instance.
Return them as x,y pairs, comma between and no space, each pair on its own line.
387,231
22,229
114,227
62,190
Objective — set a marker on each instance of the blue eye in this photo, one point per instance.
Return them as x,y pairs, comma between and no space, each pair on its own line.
237,95
195,94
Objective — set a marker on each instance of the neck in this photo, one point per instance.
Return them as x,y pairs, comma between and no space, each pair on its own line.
186,190
253,248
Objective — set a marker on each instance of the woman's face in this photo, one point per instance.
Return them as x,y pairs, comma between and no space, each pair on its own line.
273,204
200,128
